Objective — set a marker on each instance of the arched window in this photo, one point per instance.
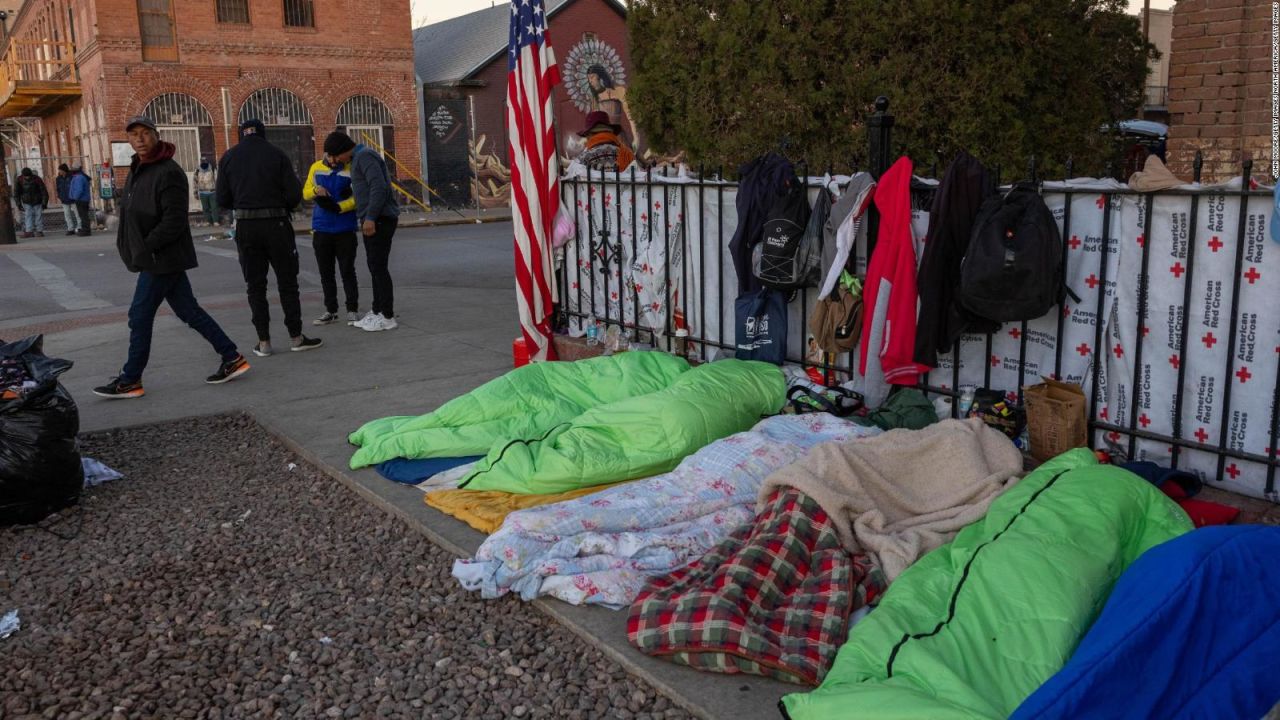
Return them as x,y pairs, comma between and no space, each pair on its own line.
364,110
177,109
275,106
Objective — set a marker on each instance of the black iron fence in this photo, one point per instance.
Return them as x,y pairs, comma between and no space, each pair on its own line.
649,257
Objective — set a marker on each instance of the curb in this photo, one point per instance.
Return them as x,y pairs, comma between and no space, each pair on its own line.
549,607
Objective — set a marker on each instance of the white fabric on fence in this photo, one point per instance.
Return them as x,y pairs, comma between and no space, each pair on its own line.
703,240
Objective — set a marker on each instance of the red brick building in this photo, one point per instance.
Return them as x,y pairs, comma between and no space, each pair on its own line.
74,70
1219,87
462,64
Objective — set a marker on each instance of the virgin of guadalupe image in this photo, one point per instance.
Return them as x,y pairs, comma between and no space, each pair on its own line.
610,97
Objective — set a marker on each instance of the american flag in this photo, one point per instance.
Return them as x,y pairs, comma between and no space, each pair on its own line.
535,173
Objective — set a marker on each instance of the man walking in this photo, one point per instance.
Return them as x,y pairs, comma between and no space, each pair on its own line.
63,189
333,228
33,198
206,189
256,181
154,241
79,194
379,214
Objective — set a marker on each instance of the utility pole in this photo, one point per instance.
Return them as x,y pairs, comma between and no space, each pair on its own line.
1146,21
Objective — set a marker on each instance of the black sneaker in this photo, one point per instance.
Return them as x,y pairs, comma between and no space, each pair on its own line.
305,344
229,370
117,390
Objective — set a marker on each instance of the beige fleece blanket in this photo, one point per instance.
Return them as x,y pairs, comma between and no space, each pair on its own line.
904,493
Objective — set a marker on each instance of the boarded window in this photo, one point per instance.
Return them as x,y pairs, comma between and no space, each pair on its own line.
159,39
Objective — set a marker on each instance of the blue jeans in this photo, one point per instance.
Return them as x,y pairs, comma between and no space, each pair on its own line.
70,215
175,288
32,218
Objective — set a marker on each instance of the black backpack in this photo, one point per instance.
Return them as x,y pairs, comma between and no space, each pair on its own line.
789,254
1013,267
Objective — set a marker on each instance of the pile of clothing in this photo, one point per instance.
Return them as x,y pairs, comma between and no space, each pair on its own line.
15,379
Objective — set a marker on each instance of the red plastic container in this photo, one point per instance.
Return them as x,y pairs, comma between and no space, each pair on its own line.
520,352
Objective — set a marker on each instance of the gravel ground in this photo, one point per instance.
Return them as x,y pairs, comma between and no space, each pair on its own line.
215,582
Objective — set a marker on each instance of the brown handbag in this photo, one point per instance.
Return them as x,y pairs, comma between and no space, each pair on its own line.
837,321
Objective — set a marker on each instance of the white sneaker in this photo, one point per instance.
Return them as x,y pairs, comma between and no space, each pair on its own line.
379,323
362,322
353,318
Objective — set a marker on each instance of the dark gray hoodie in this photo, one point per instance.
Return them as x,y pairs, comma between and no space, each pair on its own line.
371,184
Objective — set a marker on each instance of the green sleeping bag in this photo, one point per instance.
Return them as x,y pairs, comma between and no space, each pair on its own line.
637,437
525,402
976,626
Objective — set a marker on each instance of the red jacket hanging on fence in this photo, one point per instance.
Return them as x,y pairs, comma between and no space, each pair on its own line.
889,297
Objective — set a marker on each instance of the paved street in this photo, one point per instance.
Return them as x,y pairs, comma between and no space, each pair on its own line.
456,301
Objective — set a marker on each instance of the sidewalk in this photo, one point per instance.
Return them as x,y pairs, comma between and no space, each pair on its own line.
301,224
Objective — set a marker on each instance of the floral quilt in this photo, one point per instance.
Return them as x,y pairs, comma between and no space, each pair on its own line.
603,548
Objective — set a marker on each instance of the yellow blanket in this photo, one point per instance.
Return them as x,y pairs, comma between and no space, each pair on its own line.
485,510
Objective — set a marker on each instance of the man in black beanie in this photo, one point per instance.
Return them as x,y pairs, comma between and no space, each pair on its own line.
257,182
378,214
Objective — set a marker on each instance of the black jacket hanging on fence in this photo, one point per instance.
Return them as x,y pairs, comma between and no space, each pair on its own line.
761,181
955,206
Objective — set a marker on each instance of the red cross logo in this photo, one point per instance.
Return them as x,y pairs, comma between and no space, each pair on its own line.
1177,270
1091,281
1119,351
1066,312
1101,201
1209,340
658,205
1083,349
1074,242
1173,360
1015,333
995,361
1253,275
1142,240
1244,375
1233,471
1145,331
1145,421
1201,435
1215,244
1105,414
1113,437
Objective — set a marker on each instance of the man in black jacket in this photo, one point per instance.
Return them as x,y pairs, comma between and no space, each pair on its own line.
154,240
256,180
33,198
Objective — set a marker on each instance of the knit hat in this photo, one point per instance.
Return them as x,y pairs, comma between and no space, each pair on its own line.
253,126
337,143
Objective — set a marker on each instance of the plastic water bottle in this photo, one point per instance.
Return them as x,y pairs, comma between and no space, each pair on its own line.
592,337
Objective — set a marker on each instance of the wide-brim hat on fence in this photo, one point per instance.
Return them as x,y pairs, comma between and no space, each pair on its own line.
595,118
1154,176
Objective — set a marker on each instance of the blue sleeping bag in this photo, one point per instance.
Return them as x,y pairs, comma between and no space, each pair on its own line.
1191,630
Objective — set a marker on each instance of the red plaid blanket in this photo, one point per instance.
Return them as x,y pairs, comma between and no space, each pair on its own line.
773,599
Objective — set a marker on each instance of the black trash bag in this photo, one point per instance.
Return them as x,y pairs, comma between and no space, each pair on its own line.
40,471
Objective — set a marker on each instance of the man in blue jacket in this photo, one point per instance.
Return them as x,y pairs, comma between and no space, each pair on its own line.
333,230
79,193
379,214
63,186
